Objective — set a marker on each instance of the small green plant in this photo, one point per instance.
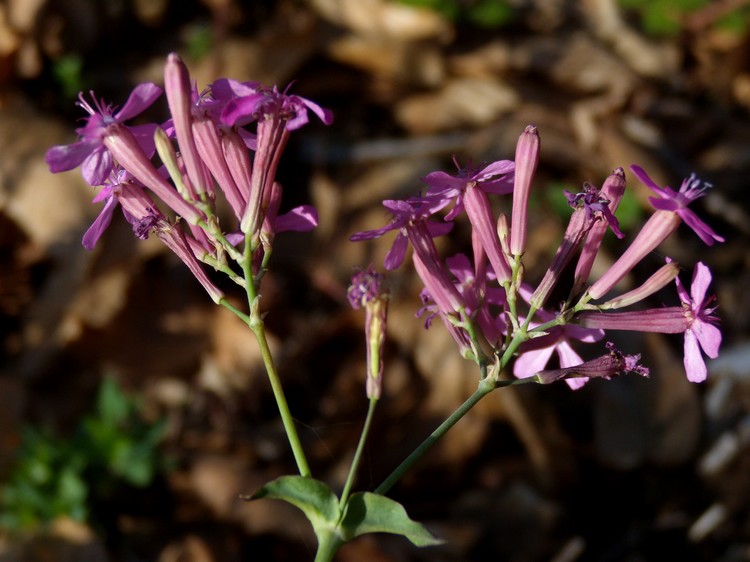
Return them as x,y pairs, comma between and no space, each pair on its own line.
68,73
56,477
665,18
489,14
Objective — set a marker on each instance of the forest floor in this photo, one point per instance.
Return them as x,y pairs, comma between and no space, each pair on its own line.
621,470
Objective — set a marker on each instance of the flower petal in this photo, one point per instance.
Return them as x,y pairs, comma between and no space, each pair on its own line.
695,368
529,363
395,255
641,174
300,219
699,286
68,156
142,96
704,232
709,336
100,224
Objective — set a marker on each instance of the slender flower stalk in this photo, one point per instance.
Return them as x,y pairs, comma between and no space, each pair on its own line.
527,158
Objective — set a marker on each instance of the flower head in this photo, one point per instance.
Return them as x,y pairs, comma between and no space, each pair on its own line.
89,152
691,189
494,178
368,290
701,323
405,213
260,101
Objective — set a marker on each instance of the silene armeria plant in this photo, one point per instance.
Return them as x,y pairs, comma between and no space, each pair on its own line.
226,142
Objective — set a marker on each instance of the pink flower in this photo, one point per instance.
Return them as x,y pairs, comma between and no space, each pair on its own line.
669,200
694,318
701,329
494,178
90,152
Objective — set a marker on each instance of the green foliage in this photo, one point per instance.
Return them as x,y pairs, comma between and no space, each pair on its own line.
664,18
54,477
373,513
200,41
364,512
489,14
68,73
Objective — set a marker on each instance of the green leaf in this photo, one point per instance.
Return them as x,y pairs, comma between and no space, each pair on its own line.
373,513
319,504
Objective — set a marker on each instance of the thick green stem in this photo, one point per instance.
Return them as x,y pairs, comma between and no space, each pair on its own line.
328,543
357,456
485,387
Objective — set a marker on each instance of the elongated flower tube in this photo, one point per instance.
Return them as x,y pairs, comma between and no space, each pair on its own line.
176,240
612,190
605,367
480,216
588,205
180,100
125,148
665,275
657,229
238,161
368,290
277,114
209,147
527,158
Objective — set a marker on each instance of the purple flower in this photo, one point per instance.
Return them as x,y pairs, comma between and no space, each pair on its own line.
701,329
444,188
89,152
260,101
593,202
404,213
669,200
138,208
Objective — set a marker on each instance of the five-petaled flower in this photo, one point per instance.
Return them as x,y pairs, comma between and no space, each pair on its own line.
89,152
701,328
677,201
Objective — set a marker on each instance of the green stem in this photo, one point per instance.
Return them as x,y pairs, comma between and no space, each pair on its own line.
485,387
281,403
328,543
255,322
357,456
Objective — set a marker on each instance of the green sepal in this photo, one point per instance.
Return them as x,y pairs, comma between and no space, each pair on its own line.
372,513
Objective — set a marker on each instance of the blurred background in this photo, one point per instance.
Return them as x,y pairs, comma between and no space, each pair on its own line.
133,412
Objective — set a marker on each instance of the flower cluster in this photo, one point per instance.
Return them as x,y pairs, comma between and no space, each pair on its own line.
496,317
205,153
